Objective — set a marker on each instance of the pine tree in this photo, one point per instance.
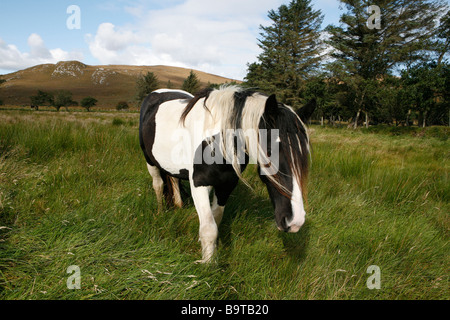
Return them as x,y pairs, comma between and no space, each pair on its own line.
191,84
442,43
145,85
290,51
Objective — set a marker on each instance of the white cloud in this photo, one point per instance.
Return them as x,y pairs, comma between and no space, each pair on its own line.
37,46
114,40
11,58
217,37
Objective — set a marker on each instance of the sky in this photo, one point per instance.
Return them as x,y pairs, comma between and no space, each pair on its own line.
218,37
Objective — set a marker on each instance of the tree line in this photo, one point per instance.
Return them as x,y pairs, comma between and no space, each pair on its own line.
386,63
62,98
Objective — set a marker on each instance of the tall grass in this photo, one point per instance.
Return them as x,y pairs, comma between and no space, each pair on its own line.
76,192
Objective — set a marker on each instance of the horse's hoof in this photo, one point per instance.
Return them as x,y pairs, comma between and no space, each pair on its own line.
203,261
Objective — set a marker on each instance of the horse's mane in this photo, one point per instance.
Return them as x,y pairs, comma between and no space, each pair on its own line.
238,108
293,132
200,95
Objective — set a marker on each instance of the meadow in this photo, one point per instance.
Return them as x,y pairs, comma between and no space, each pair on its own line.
74,190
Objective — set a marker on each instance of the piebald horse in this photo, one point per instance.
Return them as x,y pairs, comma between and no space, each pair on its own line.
210,138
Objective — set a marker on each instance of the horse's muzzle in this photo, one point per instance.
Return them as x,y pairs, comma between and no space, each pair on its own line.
290,228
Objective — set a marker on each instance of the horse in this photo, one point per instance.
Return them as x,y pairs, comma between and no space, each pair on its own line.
210,138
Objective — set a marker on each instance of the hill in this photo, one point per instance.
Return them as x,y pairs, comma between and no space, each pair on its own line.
108,84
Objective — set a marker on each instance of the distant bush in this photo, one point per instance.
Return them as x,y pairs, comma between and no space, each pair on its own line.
391,130
438,132
122,105
118,122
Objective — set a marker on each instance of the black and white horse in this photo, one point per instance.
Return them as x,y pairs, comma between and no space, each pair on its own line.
209,139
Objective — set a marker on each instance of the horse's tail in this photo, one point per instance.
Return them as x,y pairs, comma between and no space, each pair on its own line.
172,192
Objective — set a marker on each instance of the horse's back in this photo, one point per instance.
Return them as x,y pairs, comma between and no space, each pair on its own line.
156,98
149,109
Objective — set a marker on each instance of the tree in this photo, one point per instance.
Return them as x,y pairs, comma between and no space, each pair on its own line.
364,56
169,85
291,51
122,105
391,106
42,98
326,92
63,98
191,84
428,91
88,103
145,85
441,45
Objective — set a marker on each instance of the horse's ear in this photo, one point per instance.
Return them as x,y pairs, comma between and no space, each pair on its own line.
271,106
307,110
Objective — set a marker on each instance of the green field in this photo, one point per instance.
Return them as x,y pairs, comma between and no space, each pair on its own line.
74,190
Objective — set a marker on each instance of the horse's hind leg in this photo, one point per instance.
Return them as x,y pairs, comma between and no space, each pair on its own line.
176,194
158,184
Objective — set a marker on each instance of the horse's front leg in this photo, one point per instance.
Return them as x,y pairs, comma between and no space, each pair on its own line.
221,194
208,231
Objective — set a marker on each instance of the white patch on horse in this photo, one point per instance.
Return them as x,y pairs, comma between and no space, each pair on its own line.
298,211
172,90
168,135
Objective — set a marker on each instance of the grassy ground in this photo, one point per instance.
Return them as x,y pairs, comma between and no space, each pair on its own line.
74,190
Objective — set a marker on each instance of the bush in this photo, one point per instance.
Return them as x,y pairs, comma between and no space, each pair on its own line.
439,132
118,122
122,105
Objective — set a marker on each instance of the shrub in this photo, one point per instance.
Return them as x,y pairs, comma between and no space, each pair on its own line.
118,122
122,105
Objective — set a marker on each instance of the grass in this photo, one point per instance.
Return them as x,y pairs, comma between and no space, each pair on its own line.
74,190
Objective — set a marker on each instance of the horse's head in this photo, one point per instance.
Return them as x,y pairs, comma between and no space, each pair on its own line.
288,151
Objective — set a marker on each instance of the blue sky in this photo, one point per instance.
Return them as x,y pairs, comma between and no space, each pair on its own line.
212,36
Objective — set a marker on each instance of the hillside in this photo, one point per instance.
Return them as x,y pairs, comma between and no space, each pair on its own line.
108,84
